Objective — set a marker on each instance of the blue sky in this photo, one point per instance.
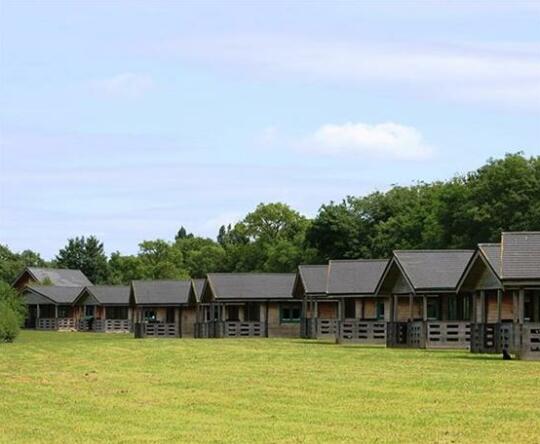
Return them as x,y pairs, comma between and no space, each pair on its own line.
129,119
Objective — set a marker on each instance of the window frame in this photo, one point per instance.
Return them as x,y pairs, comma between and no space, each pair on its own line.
290,308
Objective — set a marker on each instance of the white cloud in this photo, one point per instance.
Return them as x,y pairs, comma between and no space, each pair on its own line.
127,85
384,140
505,72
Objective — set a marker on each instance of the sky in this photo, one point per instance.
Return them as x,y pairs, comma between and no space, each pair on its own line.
129,119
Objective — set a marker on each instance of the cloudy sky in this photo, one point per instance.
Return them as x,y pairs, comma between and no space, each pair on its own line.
128,119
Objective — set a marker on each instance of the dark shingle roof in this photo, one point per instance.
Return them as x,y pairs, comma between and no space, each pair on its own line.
434,269
355,276
251,285
110,294
198,284
314,278
60,276
56,293
520,253
161,292
492,252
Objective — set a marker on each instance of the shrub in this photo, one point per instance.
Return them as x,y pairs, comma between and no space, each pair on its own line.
12,312
9,323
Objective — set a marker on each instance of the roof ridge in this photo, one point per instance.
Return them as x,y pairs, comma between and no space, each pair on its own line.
359,260
520,232
451,250
252,274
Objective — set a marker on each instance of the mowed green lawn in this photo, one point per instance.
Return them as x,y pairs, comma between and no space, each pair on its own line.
77,387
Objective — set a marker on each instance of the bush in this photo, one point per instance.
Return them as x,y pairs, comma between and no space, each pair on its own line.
12,312
9,323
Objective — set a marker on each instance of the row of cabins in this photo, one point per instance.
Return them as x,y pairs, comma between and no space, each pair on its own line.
486,299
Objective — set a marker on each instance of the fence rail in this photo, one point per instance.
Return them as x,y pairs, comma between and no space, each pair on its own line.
530,344
326,328
46,324
368,332
160,330
244,329
448,334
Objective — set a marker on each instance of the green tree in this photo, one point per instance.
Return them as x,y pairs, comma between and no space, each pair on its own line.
161,261
87,255
11,264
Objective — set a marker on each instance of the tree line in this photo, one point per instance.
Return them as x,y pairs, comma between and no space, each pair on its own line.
502,195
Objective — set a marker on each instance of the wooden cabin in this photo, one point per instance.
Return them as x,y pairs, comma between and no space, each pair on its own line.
505,279
50,307
310,287
248,305
426,307
104,308
163,308
60,277
362,313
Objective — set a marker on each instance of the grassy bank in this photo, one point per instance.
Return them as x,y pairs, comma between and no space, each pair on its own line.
76,387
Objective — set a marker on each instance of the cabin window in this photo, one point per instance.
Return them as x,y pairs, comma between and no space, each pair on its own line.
380,311
350,308
116,312
290,313
433,309
452,308
150,316
63,311
253,312
233,313
170,315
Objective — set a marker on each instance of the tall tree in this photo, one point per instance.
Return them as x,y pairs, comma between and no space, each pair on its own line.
87,255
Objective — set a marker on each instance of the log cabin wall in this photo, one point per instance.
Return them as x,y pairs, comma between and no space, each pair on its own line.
327,310
187,322
276,328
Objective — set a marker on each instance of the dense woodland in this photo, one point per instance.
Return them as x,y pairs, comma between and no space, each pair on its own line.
502,195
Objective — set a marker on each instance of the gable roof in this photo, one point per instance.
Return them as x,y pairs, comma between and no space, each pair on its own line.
59,295
520,253
198,285
492,253
433,269
251,285
360,276
162,292
63,277
109,294
314,278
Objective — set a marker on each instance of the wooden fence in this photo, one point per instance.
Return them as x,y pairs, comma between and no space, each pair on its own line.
530,342
448,334
46,324
326,328
160,330
368,332
244,329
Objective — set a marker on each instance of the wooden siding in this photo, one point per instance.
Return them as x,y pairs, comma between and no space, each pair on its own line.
327,310
278,329
188,321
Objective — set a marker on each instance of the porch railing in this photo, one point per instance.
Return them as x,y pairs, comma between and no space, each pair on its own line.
117,325
326,328
160,329
369,332
46,324
244,329
448,334
530,342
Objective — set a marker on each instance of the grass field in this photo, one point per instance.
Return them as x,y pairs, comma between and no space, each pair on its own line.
77,387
